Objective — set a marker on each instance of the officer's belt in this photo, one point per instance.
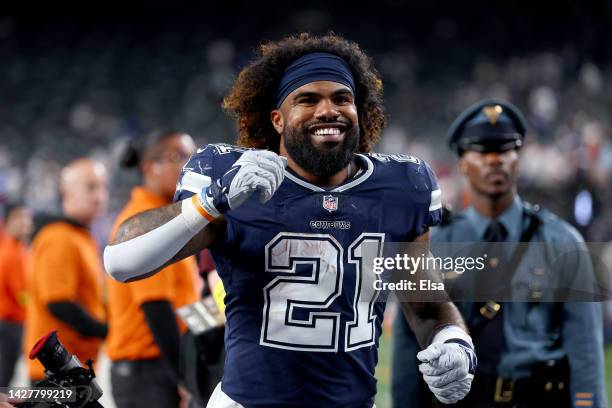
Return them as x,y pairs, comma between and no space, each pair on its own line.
548,385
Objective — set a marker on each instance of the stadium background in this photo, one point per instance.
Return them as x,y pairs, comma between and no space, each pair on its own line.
81,78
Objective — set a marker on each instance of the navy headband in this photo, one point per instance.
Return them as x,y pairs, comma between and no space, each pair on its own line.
316,66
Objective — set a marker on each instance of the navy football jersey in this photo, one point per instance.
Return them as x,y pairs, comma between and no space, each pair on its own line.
302,319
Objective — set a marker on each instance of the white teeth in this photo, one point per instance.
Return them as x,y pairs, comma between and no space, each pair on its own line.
327,131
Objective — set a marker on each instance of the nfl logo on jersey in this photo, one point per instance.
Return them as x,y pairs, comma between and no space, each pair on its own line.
330,203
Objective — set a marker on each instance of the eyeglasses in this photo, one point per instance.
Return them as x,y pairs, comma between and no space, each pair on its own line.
173,157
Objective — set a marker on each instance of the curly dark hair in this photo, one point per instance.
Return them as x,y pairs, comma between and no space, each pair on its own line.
252,97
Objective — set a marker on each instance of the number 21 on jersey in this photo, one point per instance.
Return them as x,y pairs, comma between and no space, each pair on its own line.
310,296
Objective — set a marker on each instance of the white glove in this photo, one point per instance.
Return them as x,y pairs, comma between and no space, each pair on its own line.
448,367
255,170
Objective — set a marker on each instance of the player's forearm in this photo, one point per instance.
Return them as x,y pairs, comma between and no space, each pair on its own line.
427,318
149,241
146,221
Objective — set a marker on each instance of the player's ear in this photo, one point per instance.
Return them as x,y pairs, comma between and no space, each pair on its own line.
276,116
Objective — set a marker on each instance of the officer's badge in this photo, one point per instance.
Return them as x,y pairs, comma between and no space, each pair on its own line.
330,203
492,113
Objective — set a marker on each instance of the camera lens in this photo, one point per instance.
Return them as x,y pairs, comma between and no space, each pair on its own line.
50,352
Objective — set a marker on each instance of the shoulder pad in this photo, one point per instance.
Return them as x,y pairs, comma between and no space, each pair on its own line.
416,182
410,173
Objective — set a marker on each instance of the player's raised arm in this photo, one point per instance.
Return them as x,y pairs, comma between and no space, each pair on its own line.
448,360
148,241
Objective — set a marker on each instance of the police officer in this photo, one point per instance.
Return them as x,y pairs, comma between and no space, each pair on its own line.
531,354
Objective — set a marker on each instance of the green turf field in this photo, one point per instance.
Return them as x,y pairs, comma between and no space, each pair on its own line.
609,372
383,372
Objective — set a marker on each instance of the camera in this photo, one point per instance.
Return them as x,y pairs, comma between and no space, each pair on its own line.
64,370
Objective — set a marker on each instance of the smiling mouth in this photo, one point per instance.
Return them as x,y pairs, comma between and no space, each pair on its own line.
329,133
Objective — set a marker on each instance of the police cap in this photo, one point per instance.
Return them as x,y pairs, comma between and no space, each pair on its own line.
488,125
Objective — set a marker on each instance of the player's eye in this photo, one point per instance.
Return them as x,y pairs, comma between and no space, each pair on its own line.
307,100
343,99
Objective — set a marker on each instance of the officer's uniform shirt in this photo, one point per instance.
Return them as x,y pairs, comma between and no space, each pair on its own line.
528,330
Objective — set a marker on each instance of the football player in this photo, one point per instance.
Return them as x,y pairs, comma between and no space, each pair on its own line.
286,217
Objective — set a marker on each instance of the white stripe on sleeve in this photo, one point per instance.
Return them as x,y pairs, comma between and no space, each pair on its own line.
436,200
194,182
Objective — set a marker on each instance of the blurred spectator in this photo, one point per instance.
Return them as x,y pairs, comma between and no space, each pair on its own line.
65,286
144,335
14,262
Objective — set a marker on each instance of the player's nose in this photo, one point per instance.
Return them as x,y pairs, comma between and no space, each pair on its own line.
327,110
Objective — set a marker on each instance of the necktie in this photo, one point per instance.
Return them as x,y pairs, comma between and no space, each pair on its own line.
495,232
489,279
490,342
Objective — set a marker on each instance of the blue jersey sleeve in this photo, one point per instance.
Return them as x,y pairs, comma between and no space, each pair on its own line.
196,174
206,165
416,197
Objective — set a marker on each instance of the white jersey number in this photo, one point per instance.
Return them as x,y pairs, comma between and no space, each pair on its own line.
295,315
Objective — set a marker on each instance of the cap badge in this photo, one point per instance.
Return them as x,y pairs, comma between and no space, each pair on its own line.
492,113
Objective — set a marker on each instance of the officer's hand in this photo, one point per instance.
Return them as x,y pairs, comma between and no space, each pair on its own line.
448,369
255,170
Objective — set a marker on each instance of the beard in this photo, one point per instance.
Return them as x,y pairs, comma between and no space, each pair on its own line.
323,161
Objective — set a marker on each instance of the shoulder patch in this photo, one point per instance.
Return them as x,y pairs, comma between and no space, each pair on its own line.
224,148
400,158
